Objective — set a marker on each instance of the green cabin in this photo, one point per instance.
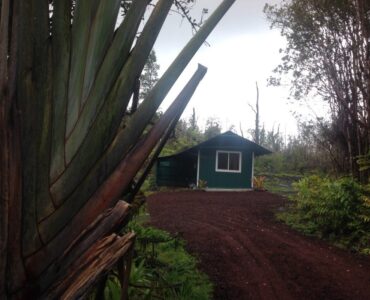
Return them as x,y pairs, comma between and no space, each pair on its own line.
224,162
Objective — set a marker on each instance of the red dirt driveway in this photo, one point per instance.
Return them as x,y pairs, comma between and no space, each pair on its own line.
249,255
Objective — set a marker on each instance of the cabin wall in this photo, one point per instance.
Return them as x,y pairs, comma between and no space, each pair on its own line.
225,180
176,171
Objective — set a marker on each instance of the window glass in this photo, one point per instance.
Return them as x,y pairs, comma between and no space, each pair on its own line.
222,161
234,162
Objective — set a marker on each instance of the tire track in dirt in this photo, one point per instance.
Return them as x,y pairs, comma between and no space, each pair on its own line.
249,255
265,280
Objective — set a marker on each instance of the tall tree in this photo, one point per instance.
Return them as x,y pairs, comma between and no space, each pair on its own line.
274,140
146,81
65,160
328,54
213,128
256,110
193,121
149,77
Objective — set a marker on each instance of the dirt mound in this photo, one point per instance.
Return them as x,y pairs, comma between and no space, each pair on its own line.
249,255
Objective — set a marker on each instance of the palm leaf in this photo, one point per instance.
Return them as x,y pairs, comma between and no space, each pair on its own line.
84,14
65,162
61,56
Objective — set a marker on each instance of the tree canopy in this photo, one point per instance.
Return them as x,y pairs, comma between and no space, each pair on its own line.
328,55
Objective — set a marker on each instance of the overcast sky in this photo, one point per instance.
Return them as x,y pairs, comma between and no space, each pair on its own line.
242,50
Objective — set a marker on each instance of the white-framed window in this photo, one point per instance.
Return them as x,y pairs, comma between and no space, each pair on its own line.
229,161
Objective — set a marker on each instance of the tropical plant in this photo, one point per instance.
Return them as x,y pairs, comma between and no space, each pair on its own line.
149,77
66,78
259,183
364,162
202,184
337,209
163,269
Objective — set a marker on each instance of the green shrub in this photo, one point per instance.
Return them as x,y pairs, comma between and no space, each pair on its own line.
273,163
162,269
334,209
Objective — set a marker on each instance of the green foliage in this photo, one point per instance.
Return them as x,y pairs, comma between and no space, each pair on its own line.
186,135
112,288
193,122
213,128
335,209
364,162
162,269
273,163
149,76
269,139
280,183
308,152
333,206
313,29
70,159
149,184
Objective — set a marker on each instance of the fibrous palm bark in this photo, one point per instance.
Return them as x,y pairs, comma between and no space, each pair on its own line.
65,160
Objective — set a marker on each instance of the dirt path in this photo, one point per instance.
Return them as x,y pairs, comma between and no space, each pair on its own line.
249,255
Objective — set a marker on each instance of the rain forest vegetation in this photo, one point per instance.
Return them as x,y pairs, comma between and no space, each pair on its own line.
161,267
67,161
333,209
188,133
328,57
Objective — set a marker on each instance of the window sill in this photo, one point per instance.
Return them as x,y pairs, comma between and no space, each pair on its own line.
228,171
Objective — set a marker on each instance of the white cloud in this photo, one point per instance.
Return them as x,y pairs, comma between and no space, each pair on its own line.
243,50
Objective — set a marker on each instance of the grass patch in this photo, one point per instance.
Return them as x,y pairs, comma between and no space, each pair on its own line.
281,184
291,218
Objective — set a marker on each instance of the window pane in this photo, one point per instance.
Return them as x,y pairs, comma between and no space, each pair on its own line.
222,161
234,162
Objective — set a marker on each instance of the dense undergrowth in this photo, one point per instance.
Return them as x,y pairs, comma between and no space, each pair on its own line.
336,210
161,268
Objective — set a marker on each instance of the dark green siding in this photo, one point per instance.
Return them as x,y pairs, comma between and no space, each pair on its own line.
225,180
181,168
177,171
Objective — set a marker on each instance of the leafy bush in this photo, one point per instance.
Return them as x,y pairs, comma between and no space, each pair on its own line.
162,269
364,162
334,209
273,163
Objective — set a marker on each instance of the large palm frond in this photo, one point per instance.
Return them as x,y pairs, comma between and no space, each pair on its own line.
65,160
